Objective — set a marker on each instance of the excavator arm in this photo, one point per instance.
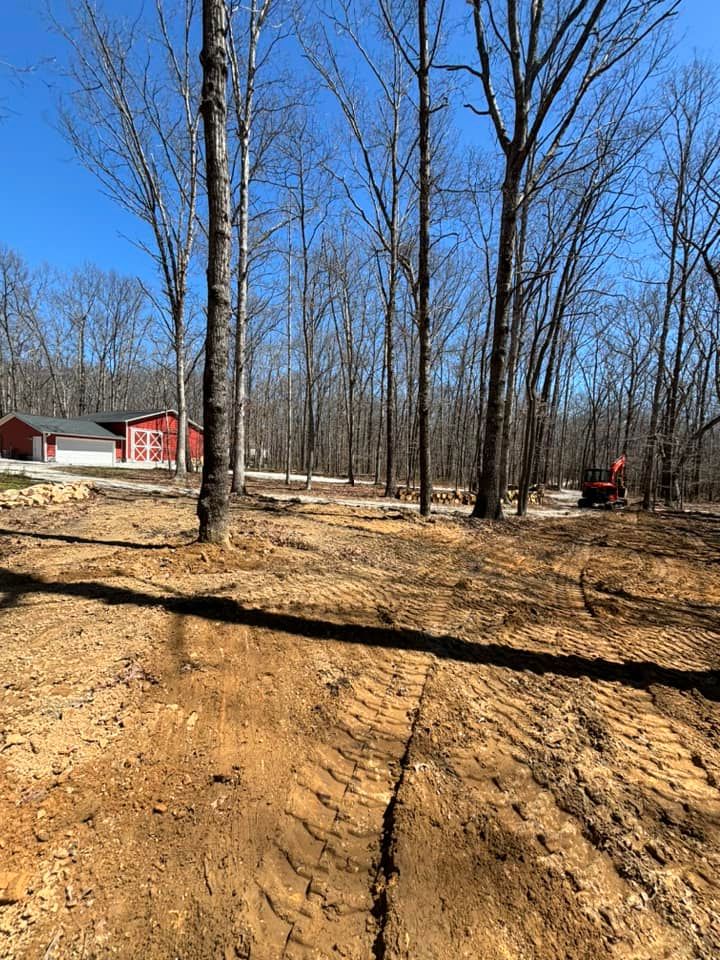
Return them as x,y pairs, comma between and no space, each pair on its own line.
617,468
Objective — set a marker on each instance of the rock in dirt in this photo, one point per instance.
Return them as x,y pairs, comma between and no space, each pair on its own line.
13,887
85,812
13,740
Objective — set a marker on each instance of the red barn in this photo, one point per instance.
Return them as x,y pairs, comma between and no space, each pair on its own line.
142,438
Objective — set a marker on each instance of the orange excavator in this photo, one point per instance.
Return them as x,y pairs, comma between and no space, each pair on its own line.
605,488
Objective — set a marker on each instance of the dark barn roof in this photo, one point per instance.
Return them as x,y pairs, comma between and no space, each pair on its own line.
122,416
127,416
74,427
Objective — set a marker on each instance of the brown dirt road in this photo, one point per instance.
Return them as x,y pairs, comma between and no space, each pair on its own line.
358,735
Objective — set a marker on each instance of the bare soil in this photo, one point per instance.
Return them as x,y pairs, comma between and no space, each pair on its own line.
358,735
146,474
323,487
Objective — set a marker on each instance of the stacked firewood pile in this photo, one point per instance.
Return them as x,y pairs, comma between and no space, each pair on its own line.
42,494
465,498
535,494
449,497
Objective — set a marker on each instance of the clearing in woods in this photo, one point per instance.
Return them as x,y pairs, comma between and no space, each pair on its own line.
358,735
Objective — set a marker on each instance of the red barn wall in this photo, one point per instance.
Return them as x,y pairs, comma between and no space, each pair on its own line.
16,438
196,442
168,426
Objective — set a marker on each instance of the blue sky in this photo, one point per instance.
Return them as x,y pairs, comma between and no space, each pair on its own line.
53,210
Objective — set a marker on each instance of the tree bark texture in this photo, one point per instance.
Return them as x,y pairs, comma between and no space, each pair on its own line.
423,302
213,501
488,504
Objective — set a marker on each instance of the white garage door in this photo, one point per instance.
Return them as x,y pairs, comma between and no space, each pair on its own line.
82,452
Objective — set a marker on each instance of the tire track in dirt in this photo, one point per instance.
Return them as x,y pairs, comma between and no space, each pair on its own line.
646,637
663,763
572,790
321,883
637,743
550,764
184,775
500,782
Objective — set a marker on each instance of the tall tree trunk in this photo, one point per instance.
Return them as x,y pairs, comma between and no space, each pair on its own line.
238,468
390,373
309,426
214,492
238,478
82,377
288,419
181,444
696,461
489,503
244,106
378,445
668,481
351,433
649,464
288,334
516,333
423,303
515,338
528,450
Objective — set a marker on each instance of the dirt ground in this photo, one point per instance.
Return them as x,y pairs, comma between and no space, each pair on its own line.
257,486
358,735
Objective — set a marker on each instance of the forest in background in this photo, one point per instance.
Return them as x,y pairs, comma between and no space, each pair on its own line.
606,281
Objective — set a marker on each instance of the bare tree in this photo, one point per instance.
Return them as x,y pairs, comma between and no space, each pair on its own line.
547,57
132,121
688,231
18,310
244,74
424,62
214,492
420,56
350,284
580,221
309,198
76,342
376,185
